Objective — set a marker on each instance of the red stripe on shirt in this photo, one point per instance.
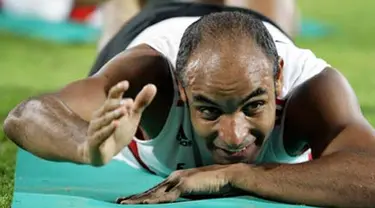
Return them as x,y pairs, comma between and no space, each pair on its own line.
134,150
280,102
310,156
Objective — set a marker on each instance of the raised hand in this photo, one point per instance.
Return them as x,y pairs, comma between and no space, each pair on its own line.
114,125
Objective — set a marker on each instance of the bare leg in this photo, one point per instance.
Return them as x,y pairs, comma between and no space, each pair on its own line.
282,12
115,13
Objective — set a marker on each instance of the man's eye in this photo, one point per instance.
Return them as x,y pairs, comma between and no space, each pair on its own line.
252,108
209,113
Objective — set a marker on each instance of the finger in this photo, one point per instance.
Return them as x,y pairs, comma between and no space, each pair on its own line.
114,94
110,117
143,194
97,113
104,133
112,104
127,104
172,185
117,91
154,195
98,123
109,105
161,186
144,98
152,199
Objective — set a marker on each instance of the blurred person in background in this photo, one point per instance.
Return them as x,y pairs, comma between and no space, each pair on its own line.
110,15
285,13
116,12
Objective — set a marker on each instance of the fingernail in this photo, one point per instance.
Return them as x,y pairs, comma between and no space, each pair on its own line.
119,111
115,122
123,83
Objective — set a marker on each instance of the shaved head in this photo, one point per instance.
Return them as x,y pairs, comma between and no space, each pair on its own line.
234,32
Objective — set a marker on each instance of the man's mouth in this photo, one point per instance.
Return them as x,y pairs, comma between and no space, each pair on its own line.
236,153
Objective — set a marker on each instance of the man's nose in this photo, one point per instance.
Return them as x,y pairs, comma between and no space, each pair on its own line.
233,130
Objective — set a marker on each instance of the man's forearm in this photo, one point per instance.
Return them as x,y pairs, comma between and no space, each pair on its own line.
341,179
47,128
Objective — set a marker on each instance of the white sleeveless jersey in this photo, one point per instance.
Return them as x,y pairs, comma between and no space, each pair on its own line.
176,147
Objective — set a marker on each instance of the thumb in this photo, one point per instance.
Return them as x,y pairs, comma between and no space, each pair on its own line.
144,98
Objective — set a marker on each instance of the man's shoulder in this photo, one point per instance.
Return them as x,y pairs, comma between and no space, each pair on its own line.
310,107
299,65
165,36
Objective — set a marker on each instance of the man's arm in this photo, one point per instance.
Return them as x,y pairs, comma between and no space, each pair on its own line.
324,109
52,126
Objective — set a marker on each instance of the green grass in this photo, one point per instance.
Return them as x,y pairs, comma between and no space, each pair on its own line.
29,67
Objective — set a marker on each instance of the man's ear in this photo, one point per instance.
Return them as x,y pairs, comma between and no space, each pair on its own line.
279,81
181,91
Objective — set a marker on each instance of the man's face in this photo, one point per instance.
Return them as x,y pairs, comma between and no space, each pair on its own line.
232,101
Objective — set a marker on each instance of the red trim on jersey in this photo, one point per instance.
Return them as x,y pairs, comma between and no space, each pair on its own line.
280,102
310,156
134,149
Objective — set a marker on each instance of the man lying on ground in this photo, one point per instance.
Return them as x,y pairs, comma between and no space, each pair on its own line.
220,102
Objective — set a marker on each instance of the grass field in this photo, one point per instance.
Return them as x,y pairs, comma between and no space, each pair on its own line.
29,67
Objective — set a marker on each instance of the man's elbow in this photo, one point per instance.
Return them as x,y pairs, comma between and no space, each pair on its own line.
15,124
10,127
